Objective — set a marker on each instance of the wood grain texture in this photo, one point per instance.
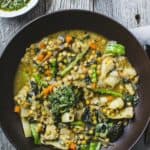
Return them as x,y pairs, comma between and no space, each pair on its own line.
8,27
55,5
4,143
123,11
103,7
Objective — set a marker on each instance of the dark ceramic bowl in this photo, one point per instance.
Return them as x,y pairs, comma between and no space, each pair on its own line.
64,20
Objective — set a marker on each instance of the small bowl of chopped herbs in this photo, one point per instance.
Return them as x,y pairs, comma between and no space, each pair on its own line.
14,8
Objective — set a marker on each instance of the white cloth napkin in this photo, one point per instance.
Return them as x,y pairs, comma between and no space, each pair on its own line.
142,34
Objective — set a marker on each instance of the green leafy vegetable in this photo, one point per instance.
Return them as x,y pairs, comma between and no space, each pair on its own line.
35,134
108,92
73,63
115,132
64,98
114,48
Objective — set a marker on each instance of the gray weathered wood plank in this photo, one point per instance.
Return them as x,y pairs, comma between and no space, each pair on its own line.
103,7
125,11
8,27
54,5
4,143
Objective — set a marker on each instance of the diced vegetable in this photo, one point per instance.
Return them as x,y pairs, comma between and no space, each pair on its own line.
126,113
17,109
39,81
42,45
61,38
40,57
72,146
93,85
24,112
54,68
99,145
107,66
78,123
26,127
117,103
55,144
95,146
69,39
35,134
94,74
73,63
48,55
67,117
110,98
48,90
93,46
108,92
84,147
114,48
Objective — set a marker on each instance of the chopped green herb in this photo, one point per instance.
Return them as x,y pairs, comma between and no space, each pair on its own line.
11,5
64,98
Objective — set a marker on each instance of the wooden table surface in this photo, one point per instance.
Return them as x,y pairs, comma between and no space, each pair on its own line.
130,13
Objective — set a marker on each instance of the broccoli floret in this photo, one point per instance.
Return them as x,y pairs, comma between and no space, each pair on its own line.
115,132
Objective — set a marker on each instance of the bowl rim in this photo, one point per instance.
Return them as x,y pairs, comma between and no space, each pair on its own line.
10,14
